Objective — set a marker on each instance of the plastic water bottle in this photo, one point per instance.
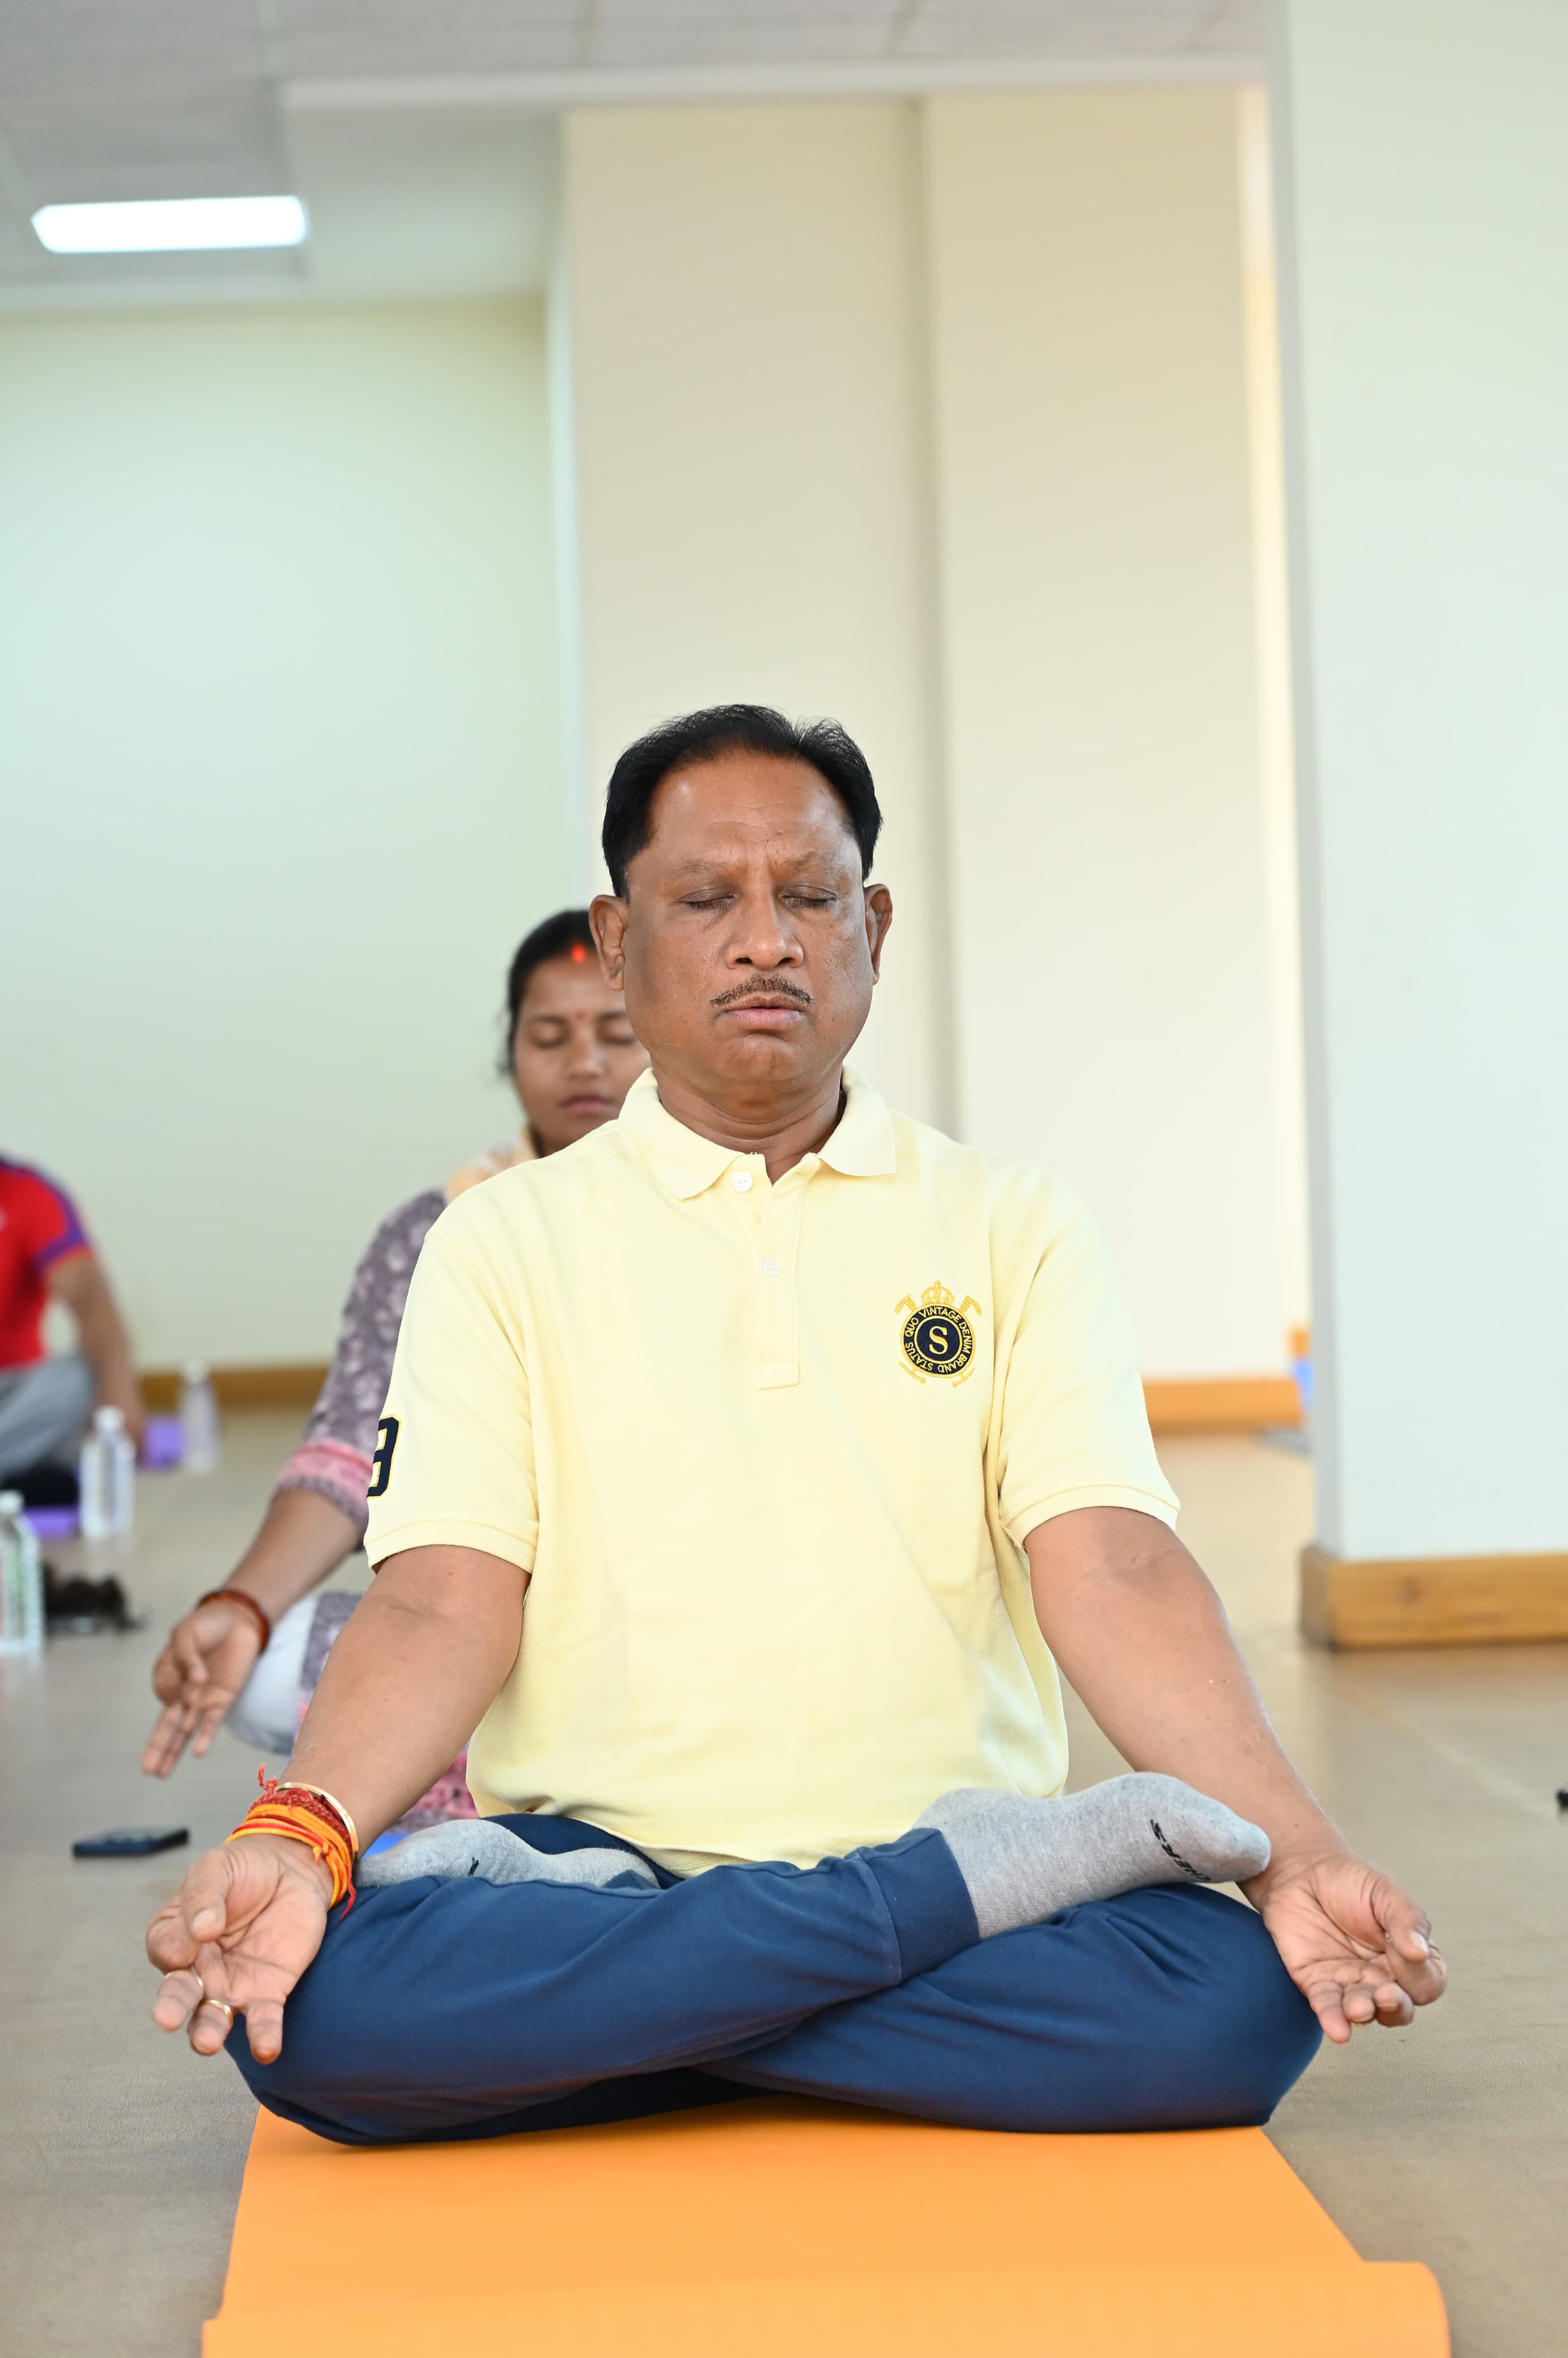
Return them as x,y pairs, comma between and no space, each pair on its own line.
21,1580
200,1430
108,1493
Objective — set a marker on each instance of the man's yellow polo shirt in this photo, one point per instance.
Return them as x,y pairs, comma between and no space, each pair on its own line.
771,1452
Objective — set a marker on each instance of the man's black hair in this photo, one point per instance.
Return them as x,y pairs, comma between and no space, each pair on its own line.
724,729
566,934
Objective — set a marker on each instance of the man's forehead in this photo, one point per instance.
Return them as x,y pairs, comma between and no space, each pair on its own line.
791,816
745,786
781,848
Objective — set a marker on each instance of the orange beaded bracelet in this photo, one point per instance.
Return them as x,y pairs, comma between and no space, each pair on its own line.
306,1813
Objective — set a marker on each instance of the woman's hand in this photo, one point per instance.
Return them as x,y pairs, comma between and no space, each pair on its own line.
235,1938
209,1655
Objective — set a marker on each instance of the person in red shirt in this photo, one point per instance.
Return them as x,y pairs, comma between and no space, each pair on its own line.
47,1255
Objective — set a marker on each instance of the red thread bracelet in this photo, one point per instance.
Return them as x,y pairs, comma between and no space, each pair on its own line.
306,1813
239,1596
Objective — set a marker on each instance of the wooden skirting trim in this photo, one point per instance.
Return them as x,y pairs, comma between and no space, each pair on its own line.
1176,1404
289,1384
1445,1600
1221,1403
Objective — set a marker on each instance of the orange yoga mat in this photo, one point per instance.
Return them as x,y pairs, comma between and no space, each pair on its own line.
802,2231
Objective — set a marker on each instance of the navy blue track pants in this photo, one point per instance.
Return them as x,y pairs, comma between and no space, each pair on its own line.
464,2009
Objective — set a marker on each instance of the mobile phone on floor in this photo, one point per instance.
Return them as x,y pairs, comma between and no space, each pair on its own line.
130,1841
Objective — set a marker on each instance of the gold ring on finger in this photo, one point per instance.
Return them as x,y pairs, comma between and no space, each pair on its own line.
208,1999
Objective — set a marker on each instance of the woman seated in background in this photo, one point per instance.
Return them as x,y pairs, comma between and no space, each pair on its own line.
253,1650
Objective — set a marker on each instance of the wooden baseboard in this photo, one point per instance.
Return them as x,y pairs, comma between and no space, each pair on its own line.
1178,1404
274,1385
1455,1600
1221,1403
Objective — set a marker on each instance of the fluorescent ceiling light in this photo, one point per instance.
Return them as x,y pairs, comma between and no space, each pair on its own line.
180,225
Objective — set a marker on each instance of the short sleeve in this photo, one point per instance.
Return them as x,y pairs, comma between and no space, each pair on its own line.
351,1398
1074,1432
53,1227
454,1461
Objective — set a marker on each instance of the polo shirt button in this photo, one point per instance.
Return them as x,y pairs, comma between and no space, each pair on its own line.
740,1181
770,1267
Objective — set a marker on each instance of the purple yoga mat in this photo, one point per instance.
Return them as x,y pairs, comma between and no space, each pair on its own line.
54,1522
163,1444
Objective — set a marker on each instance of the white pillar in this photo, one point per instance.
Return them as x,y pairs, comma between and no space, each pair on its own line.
1423,172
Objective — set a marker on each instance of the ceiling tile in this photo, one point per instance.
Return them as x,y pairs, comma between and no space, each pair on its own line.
627,37
430,37
1079,28
1235,29
74,49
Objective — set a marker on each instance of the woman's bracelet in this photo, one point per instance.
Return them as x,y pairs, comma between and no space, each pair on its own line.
306,1813
239,1596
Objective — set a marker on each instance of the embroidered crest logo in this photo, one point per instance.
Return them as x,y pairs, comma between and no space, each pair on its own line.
938,1339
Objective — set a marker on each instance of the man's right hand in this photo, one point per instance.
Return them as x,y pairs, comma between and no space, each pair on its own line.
241,1928
209,1655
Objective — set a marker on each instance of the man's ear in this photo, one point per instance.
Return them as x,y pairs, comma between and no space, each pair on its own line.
879,917
607,914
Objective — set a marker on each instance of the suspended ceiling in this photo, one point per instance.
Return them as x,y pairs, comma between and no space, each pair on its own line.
420,132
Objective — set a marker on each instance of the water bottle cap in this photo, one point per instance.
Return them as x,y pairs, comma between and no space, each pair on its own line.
197,1371
109,1419
10,1502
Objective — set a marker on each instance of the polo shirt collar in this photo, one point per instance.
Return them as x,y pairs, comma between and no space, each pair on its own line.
861,1147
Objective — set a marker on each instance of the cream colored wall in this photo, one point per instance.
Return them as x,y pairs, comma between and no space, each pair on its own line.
936,416
1111,915
279,736
1276,731
746,347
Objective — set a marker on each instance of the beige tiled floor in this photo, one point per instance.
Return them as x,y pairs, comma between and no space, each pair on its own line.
122,2158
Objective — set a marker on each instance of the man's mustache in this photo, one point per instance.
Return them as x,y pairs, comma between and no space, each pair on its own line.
757,987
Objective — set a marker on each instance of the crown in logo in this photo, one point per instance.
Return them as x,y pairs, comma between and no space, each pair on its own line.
936,1297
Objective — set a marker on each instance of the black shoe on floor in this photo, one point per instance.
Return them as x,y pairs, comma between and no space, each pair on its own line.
44,1486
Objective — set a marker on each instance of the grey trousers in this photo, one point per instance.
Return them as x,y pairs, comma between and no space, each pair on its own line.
44,1409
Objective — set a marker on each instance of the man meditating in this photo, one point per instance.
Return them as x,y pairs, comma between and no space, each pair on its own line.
746,1471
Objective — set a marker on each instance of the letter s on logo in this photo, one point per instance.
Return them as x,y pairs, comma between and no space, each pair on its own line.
381,1464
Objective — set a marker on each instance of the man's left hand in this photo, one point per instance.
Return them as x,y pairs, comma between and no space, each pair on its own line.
1357,1947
